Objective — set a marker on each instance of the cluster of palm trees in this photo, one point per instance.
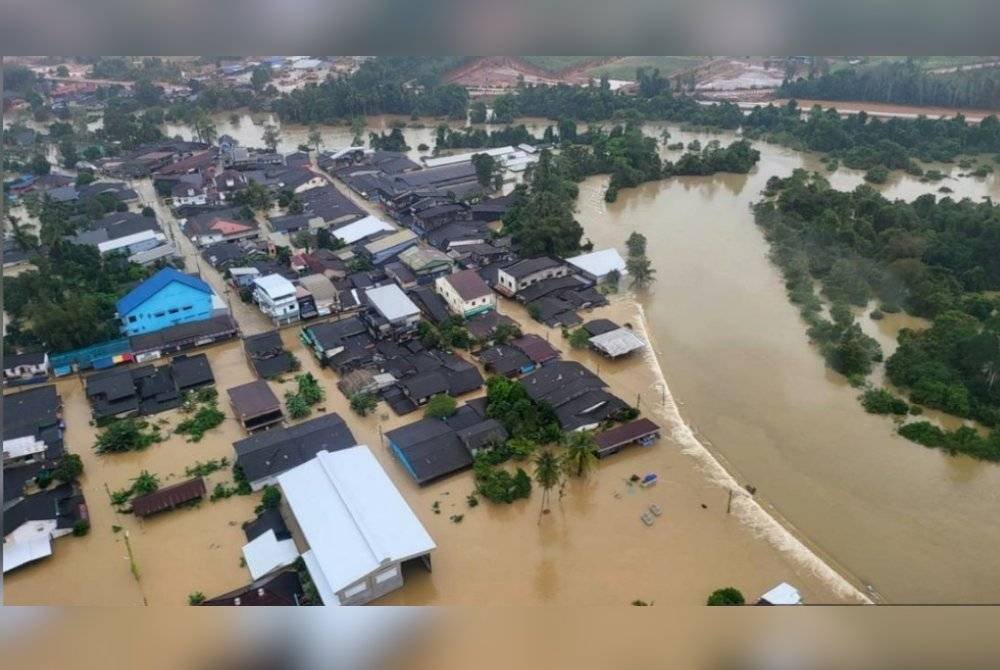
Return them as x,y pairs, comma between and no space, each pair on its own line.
577,459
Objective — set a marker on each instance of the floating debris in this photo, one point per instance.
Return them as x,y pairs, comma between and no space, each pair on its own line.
655,509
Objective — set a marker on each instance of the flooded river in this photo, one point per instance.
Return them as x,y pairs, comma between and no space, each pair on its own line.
918,525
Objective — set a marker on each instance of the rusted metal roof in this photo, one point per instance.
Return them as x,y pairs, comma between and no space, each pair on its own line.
169,497
625,433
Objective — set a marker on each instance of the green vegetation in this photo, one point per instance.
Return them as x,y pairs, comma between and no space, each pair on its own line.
509,403
726,596
579,338
440,406
309,393
379,86
364,403
196,598
880,401
935,259
207,416
541,219
964,440
639,267
450,334
580,456
69,301
270,497
68,469
145,483
200,469
126,435
548,474
905,83
394,141
81,528
478,138
497,484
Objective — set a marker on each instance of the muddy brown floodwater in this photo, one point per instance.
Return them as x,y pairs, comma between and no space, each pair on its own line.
916,524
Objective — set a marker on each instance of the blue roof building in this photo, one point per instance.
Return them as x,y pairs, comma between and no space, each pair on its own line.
166,299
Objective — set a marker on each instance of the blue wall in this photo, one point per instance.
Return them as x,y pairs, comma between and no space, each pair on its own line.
173,304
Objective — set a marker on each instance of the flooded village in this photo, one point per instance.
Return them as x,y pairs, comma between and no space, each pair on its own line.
346,320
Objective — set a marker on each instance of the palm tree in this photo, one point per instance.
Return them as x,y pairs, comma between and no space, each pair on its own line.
547,474
315,137
580,456
641,271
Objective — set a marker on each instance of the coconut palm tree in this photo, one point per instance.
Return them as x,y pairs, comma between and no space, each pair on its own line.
580,456
547,474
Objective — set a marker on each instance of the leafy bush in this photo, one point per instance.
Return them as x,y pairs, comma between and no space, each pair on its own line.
297,406
440,406
726,596
69,468
200,469
81,528
880,401
364,403
271,497
126,435
196,598
207,417
579,338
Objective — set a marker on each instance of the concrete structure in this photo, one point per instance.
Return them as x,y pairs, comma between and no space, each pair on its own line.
166,299
524,273
616,343
353,528
362,229
392,313
466,293
386,247
275,296
598,264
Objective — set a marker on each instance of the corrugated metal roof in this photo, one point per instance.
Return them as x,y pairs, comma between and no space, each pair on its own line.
155,284
168,497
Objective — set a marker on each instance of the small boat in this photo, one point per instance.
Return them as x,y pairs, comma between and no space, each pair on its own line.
646,518
655,509
649,480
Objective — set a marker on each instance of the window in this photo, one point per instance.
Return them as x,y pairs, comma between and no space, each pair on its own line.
186,307
159,314
355,590
131,318
173,310
383,577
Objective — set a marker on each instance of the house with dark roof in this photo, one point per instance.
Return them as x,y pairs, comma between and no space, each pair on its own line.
576,395
139,237
267,454
329,204
505,360
466,293
483,326
278,589
523,273
30,523
343,345
32,434
215,226
431,304
430,449
169,497
267,354
146,390
536,348
166,299
640,431
255,405
25,368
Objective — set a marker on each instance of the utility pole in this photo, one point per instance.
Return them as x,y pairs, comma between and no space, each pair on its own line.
729,504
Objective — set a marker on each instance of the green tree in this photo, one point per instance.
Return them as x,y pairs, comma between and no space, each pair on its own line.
196,598
271,497
68,151
579,338
39,165
726,596
297,406
315,137
70,467
364,403
580,456
477,112
521,448
260,76
548,474
145,483
486,168
641,271
271,137
440,406
636,244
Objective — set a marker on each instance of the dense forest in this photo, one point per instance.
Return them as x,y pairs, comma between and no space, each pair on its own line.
388,85
904,83
938,259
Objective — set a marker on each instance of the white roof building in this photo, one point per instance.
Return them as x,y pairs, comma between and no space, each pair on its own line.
275,286
16,554
392,303
267,553
362,228
782,594
615,343
357,525
597,264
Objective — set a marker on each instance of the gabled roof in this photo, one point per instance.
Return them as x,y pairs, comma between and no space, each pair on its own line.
355,520
599,263
279,449
468,284
168,497
157,283
529,266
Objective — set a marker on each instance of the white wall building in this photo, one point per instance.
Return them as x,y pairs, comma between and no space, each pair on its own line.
598,264
275,296
351,525
466,293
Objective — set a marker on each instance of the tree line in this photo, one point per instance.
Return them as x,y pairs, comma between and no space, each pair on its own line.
904,83
937,259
